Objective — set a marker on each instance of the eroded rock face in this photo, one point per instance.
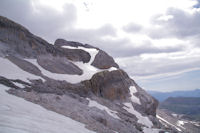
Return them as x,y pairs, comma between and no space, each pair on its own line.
115,85
149,104
59,65
73,54
62,42
104,61
19,41
25,65
110,85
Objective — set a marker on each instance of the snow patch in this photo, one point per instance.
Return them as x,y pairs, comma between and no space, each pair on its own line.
70,47
150,130
4,107
12,71
18,84
133,97
26,117
112,69
141,119
181,123
93,103
174,115
168,122
92,51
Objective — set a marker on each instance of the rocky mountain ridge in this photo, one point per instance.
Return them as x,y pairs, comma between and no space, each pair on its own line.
76,80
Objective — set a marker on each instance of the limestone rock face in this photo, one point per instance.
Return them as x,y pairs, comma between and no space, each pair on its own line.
25,65
62,42
72,54
20,40
59,65
104,61
149,104
110,85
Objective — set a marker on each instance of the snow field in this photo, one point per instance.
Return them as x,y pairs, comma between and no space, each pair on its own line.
20,116
133,97
141,119
12,71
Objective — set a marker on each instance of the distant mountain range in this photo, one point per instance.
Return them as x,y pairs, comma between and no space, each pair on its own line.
189,106
161,96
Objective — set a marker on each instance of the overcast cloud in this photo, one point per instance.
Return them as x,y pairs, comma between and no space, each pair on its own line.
158,39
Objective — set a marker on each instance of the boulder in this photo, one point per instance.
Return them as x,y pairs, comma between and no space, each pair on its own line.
104,61
110,85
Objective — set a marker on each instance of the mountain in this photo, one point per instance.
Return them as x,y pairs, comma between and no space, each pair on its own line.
161,96
188,106
67,87
178,121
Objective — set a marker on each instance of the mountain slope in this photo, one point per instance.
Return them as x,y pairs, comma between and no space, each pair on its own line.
18,115
75,80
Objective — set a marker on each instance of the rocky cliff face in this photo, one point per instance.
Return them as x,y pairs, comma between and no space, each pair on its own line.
76,80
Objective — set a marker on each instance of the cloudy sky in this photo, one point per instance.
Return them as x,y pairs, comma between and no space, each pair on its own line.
156,41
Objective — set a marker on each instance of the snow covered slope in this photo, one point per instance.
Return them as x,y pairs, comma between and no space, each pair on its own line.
81,89
20,116
11,71
88,69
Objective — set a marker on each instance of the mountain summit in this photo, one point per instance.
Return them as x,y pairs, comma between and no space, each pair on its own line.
80,88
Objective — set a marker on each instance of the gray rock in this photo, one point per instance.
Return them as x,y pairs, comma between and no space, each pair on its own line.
149,104
59,87
62,42
25,65
77,109
21,42
104,61
73,54
56,64
7,82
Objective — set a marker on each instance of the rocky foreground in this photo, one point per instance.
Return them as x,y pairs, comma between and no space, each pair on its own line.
79,88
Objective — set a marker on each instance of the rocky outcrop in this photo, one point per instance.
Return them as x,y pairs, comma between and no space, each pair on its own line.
19,41
72,54
62,42
59,65
115,85
104,61
25,65
149,104
110,85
